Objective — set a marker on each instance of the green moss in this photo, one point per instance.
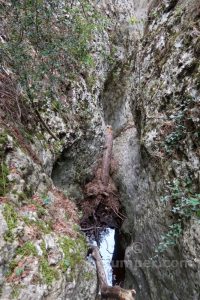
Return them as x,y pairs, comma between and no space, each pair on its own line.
27,249
49,274
74,252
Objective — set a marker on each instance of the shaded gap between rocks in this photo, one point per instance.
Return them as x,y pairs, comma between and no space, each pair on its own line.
101,208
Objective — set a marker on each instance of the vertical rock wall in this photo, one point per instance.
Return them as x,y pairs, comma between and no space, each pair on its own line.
159,165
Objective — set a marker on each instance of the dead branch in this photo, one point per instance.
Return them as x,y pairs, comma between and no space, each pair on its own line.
100,269
90,228
109,292
45,125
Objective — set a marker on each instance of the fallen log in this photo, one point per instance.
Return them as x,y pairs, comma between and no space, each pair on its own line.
109,292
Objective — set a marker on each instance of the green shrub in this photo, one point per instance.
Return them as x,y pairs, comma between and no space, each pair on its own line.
46,41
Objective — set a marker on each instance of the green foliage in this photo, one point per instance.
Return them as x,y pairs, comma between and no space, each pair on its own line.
41,211
170,238
49,274
42,226
27,249
3,141
12,265
88,276
184,204
186,207
19,271
178,11
133,20
8,236
4,183
74,251
10,216
183,126
172,140
46,41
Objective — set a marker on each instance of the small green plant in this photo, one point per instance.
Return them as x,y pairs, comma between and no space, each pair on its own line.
10,216
4,183
187,206
42,226
133,20
170,238
41,211
27,249
184,204
49,274
74,251
12,265
172,140
19,271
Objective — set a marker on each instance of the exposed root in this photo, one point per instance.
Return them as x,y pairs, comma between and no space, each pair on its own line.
101,207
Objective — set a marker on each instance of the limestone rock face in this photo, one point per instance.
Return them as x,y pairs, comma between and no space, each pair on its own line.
42,252
144,82
162,259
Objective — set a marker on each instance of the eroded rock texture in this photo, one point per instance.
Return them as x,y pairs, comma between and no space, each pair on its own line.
45,138
158,177
144,82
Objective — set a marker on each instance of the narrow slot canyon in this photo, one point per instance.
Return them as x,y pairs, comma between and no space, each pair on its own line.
99,150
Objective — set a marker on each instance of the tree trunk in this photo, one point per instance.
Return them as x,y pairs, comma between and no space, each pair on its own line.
107,156
109,292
